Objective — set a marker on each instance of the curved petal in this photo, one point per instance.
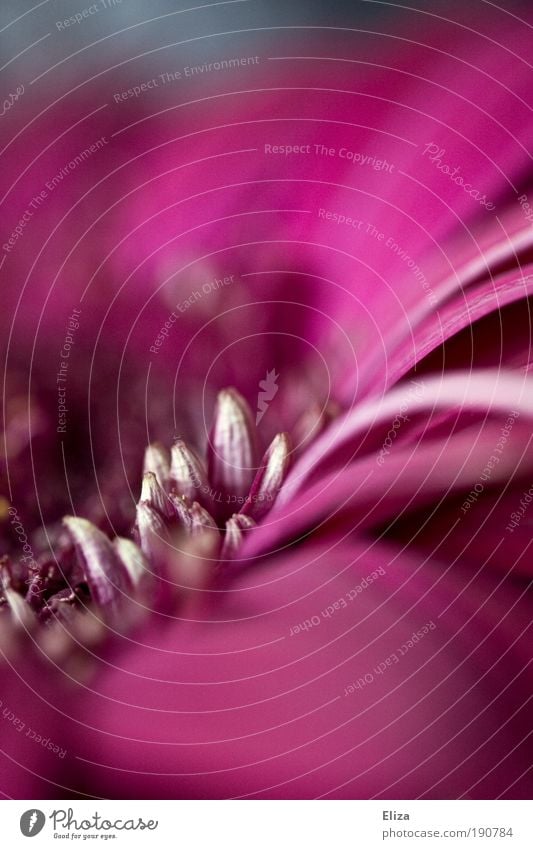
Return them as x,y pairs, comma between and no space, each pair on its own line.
33,751
472,328
483,391
485,526
304,679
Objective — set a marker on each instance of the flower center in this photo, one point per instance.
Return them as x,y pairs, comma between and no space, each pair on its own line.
189,507
228,493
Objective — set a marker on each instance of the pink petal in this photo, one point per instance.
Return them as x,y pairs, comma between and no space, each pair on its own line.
187,472
106,575
154,495
469,345
234,535
261,699
232,446
487,390
157,460
269,478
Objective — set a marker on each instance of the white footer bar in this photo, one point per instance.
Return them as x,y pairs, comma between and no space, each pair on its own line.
268,824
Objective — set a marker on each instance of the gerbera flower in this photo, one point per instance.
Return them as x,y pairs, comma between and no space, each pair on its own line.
268,417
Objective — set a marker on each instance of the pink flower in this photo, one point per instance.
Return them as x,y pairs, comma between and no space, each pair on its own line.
268,416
